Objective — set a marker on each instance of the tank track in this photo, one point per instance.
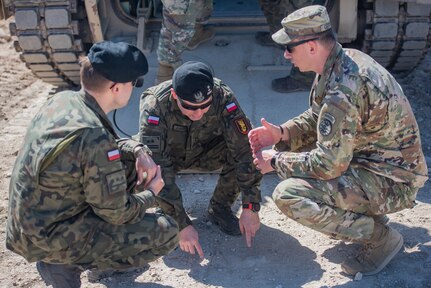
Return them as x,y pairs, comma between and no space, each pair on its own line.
397,33
50,38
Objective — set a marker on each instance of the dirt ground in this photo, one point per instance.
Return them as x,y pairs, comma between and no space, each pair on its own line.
284,253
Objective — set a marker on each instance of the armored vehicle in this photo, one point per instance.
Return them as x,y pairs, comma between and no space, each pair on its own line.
51,34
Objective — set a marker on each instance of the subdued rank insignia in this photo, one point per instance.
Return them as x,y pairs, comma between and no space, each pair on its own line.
241,126
152,142
325,126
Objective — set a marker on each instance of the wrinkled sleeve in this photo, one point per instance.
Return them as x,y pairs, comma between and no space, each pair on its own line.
236,128
105,184
302,132
337,125
154,135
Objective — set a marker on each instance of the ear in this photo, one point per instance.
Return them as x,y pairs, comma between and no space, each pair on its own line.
174,95
312,47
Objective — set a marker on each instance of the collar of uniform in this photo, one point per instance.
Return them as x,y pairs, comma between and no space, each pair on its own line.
335,53
92,103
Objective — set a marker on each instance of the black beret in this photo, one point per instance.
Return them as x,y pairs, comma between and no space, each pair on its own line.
119,62
193,81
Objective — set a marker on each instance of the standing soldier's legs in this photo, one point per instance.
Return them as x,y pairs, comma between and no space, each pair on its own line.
344,208
178,29
204,9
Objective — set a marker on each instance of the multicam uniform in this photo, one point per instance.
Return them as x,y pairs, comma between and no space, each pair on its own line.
218,140
71,197
368,158
178,27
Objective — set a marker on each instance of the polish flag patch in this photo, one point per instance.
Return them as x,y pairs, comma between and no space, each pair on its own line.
231,107
153,120
113,155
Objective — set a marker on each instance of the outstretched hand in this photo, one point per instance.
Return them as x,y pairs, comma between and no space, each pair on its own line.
262,160
266,135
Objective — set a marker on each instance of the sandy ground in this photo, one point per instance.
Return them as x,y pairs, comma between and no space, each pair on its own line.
284,253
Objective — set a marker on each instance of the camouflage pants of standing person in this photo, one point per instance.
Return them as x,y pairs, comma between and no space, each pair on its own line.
343,207
216,157
178,27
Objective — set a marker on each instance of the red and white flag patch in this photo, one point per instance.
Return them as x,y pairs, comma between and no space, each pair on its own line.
231,107
113,155
153,120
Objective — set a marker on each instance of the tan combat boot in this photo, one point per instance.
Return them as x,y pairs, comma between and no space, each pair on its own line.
202,35
164,73
376,253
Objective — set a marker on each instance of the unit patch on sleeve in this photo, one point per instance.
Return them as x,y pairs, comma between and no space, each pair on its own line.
325,126
241,126
152,142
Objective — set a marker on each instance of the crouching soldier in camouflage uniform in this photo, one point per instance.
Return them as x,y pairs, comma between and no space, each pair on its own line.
72,204
367,159
195,122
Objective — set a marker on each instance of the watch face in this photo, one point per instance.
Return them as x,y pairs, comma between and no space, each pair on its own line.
256,207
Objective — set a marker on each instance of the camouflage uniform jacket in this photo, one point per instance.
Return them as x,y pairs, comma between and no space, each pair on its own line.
359,116
177,142
68,177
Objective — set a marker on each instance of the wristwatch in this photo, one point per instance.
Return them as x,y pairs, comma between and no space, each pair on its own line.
143,149
255,207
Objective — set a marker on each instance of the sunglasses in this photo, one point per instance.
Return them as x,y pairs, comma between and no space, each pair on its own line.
194,108
290,46
138,82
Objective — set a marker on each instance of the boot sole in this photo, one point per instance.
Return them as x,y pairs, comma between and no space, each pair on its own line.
389,258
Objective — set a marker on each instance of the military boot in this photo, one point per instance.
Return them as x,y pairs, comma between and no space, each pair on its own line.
59,275
223,216
376,253
264,39
164,73
382,219
202,35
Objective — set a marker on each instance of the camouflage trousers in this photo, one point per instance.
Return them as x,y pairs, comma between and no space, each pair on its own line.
130,245
178,27
276,10
343,207
225,193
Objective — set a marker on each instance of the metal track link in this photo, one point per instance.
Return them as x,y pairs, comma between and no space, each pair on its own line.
48,38
398,34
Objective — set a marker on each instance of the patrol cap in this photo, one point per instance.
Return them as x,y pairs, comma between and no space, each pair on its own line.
193,81
119,62
306,21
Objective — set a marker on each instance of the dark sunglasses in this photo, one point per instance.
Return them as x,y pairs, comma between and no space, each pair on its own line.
138,82
290,46
194,108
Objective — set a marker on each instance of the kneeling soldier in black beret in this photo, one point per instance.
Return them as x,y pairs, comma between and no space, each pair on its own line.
73,203
195,122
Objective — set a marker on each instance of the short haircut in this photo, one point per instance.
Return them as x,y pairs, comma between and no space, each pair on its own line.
327,38
90,78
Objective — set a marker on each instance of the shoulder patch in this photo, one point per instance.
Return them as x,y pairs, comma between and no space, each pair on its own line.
231,107
153,120
325,126
242,126
113,155
152,142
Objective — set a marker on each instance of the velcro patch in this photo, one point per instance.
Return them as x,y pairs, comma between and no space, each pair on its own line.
152,142
153,120
231,107
325,126
242,126
116,182
113,155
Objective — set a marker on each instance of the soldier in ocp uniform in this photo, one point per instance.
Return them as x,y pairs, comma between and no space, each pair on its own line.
182,28
354,156
73,204
195,122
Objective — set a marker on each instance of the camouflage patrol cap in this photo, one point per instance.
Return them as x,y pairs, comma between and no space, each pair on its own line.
193,81
118,62
306,21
